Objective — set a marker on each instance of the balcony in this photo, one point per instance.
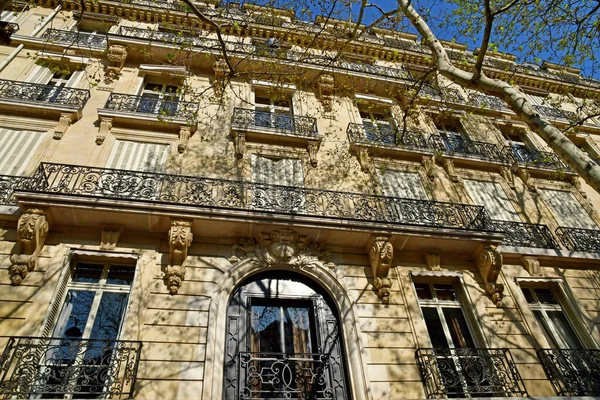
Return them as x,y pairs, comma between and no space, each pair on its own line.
458,147
577,239
8,185
74,38
572,372
540,160
469,373
555,113
41,100
295,125
165,4
390,142
481,100
52,368
521,234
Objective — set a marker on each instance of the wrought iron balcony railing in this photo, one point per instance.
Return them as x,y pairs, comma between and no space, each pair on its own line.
578,239
36,367
535,158
359,133
287,376
485,101
522,234
166,4
8,185
83,39
298,125
61,179
469,373
467,148
35,92
167,108
552,112
572,372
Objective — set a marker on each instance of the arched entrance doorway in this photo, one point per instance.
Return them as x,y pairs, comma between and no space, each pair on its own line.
283,341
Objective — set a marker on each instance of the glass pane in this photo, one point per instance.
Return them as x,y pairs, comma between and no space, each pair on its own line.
564,329
434,327
423,291
543,323
120,275
297,330
265,335
89,273
109,316
74,314
528,295
445,292
461,337
545,296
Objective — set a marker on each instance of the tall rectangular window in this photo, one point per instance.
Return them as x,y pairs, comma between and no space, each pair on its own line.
568,211
273,111
283,171
138,156
493,198
407,185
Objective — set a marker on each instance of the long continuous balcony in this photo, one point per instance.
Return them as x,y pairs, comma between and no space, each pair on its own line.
552,112
8,185
490,102
572,372
467,148
577,239
49,94
166,4
297,125
167,108
361,134
536,159
82,39
60,179
469,373
52,368
521,234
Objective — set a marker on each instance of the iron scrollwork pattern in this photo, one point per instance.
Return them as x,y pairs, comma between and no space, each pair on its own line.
55,367
468,371
43,93
578,239
167,108
535,158
227,194
358,133
572,372
297,125
92,40
525,235
467,148
8,185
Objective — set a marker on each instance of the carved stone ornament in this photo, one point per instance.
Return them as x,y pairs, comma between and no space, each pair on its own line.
489,263
117,55
220,69
326,88
109,236
31,235
180,239
105,127
428,162
283,246
508,176
531,265
312,149
432,259
527,180
239,144
449,167
577,184
184,137
364,159
63,124
381,254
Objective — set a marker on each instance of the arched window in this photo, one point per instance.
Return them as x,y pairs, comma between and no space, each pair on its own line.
283,341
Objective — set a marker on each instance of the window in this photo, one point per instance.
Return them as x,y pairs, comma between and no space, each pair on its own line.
378,124
282,171
493,198
159,98
273,111
452,135
405,185
567,209
55,78
16,149
283,341
138,156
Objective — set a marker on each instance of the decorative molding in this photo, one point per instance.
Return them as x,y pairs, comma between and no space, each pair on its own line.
180,239
326,88
449,167
574,180
284,247
428,163
105,127
32,230
184,136
239,144
489,263
117,55
220,70
364,159
531,265
432,259
312,148
381,255
109,236
508,176
63,124
527,180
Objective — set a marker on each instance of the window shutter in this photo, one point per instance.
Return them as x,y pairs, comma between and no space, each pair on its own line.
406,185
75,79
9,16
535,100
41,75
574,317
493,198
136,156
567,209
16,149
59,298
286,172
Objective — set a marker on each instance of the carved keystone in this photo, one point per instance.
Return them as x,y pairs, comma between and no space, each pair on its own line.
432,259
531,265
180,239
31,235
381,254
109,236
489,263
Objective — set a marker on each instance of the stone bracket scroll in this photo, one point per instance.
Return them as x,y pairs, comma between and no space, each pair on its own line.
489,263
364,159
428,164
449,167
180,239
109,236
63,124
432,259
105,127
312,148
184,136
508,176
381,254
326,88
239,144
117,55
32,230
531,265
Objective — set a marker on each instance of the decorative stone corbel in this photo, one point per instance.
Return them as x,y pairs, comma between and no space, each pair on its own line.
432,259
312,148
105,127
239,144
428,163
577,184
381,254
31,235
364,159
508,176
449,167
526,178
180,239
326,88
220,69
489,263
109,236
531,265
117,55
63,124
184,137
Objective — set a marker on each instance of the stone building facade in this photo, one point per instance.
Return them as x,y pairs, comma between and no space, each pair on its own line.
168,233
